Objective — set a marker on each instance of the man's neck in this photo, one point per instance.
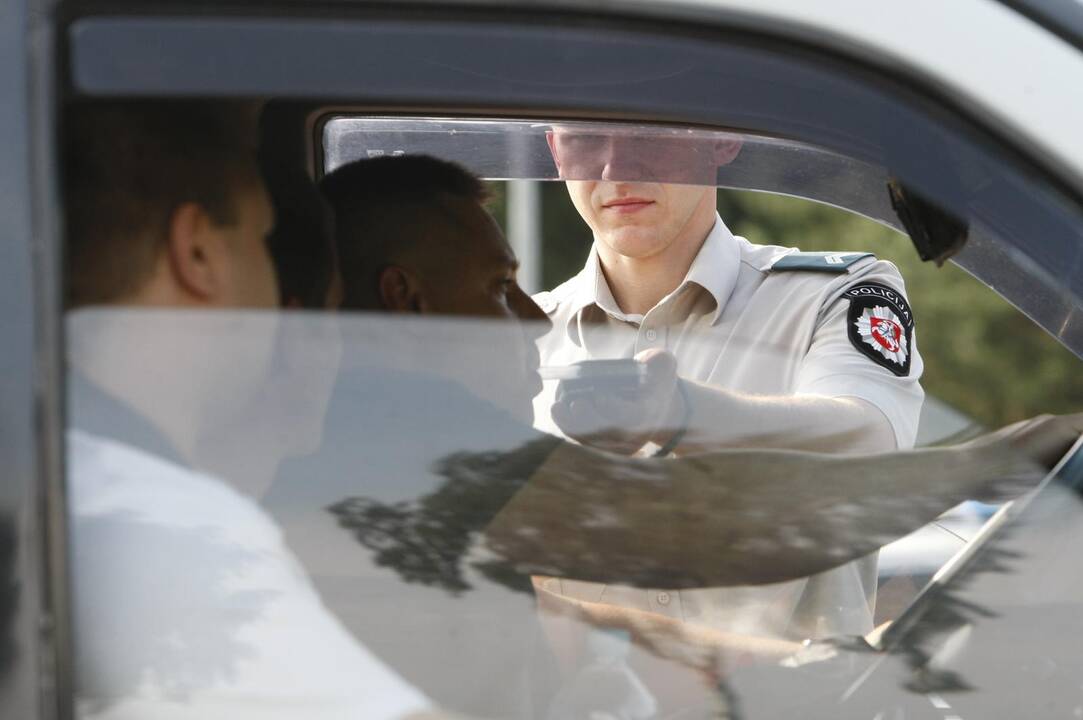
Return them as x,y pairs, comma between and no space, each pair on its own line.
175,368
117,353
639,284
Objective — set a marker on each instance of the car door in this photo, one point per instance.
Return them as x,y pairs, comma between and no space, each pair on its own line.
685,67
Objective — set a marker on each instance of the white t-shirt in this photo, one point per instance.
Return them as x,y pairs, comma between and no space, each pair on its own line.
188,605
739,323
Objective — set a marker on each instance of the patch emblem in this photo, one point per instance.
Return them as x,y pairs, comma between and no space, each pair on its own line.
880,325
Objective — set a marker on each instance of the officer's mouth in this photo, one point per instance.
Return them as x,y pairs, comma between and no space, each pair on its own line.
627,205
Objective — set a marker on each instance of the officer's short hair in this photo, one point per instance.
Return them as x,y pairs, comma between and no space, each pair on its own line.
391,207
127,166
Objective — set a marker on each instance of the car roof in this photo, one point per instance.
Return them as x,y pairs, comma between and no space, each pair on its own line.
1019,77
1015,74
1000,65
1063,17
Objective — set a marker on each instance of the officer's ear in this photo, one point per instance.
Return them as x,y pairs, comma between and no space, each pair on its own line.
726,150
401,291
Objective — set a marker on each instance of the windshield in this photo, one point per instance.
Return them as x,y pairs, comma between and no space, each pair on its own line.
546,418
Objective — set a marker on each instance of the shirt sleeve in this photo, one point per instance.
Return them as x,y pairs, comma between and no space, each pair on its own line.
838,365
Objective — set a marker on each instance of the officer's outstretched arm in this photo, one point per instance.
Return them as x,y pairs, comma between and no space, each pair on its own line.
746,517
690,417
721,419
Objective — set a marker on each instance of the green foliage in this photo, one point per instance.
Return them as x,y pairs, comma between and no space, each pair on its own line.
567,237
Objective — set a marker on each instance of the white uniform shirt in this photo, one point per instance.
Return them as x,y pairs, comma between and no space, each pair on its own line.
188,605
736,324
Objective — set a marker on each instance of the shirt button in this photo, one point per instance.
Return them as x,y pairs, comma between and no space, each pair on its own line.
652,335
663,598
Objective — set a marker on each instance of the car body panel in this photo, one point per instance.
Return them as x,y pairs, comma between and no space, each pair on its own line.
30,566
960,48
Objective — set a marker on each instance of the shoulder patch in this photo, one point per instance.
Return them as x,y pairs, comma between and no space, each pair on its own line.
880,325
831,262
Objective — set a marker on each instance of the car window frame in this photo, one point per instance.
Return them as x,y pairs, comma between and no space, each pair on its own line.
36,682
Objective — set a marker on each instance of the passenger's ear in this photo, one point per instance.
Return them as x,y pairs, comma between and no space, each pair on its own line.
195,253
400,291
726,150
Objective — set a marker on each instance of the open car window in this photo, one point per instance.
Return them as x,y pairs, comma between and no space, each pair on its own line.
958,210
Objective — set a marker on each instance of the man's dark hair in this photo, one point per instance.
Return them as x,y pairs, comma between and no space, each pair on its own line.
127,166
302,243
393,207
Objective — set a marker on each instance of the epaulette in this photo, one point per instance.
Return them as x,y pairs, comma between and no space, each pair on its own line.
831,262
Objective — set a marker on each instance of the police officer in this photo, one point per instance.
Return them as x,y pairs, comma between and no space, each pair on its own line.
741,345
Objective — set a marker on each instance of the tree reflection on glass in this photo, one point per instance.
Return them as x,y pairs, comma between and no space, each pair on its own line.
948,611
427,540
180,626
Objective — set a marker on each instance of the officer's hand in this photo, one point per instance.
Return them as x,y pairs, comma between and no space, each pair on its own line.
624,421
1043,439
1039,442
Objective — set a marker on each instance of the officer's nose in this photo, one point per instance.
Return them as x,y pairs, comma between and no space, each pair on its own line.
619,160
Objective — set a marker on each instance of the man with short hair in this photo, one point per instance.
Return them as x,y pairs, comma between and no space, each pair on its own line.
430,247
186,602
421,259
743,345
762,335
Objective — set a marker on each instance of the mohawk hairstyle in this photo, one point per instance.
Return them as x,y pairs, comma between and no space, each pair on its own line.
389,208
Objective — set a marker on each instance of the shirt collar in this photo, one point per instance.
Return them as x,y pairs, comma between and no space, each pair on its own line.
715,269
716,266
93,410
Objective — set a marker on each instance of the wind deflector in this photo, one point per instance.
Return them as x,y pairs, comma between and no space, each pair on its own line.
510,149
